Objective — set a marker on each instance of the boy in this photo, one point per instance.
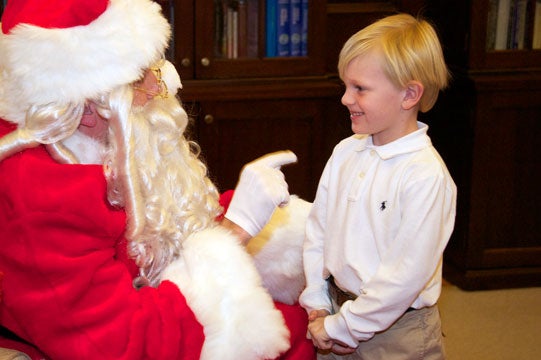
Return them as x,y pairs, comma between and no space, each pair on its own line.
385,205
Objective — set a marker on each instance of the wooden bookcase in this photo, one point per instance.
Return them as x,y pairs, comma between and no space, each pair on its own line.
487,126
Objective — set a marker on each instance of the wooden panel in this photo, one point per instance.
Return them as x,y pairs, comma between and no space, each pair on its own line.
241,131
497,239
180,51
507,171
496,278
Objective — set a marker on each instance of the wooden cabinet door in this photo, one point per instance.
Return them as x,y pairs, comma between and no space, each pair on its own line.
506,173
210,62
234,133
486,25
180,14
497,241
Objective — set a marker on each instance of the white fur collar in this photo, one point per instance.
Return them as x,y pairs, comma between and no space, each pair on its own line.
87,150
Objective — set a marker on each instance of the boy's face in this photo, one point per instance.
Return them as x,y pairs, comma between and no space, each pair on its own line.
374,102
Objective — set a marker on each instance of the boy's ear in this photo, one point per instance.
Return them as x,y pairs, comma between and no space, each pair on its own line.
412,95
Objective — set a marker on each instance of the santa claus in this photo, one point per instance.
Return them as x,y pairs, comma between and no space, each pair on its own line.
114,241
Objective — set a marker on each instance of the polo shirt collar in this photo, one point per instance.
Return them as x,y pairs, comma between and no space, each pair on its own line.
413,142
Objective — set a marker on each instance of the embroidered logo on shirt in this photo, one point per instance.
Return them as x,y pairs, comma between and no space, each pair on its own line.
383,205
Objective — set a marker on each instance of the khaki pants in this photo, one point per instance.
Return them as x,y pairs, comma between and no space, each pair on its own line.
416,335
7,354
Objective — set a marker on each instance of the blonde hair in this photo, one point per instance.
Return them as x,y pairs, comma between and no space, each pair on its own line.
411,51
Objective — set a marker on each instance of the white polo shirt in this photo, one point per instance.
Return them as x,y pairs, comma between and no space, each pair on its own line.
380,221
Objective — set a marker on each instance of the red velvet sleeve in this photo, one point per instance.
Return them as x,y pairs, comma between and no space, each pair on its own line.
64,289
225,200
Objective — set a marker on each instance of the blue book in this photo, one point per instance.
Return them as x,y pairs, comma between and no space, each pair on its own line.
270,28
295,27
304,27
282,27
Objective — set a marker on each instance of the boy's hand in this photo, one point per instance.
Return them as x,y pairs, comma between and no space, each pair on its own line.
314,314
319,335
341,348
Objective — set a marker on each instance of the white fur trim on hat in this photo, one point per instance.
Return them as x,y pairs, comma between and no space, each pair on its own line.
171,78
223,289
45,65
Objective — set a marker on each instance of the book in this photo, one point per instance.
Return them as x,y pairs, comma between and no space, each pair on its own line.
491,24
270,28
242,9
304,27
502,25
252,32
536,43
219,36
230,32
234,32
519,32
235,28
512,25
516,30
295,27
282,28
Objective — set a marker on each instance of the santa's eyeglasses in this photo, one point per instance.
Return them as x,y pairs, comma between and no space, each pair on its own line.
162,92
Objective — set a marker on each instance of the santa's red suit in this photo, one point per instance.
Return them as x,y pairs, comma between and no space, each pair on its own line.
67,282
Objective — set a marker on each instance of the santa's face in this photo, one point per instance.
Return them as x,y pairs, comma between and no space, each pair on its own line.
148,88
92,124
95,126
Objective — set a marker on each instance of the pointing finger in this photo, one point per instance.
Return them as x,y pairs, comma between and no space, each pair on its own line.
278,158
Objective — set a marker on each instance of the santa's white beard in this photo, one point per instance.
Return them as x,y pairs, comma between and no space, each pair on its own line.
154,172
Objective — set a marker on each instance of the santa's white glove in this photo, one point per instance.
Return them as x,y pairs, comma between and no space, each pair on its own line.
261,188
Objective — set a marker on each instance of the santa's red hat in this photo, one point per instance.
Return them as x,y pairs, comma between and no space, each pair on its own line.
72,50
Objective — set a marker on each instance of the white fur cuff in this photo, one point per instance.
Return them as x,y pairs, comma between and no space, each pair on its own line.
223,289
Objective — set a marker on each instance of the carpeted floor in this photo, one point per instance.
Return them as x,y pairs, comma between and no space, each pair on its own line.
491,325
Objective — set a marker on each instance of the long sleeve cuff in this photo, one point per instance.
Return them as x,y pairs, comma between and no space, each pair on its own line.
337,328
